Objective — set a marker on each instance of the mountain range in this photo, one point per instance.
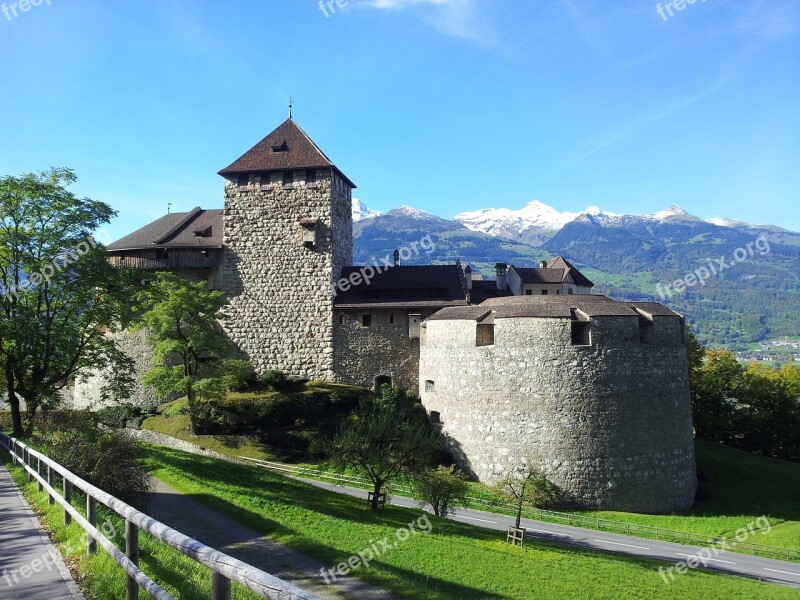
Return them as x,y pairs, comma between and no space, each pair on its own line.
753,295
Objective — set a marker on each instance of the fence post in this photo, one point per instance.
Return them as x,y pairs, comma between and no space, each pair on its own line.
67,489
91,516
26,458
51,499
132,552
39,471
220,587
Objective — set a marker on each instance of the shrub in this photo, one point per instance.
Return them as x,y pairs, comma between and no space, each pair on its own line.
120,415
443,488
239,376
275,380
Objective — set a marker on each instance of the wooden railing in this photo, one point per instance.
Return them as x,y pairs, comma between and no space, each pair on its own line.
224,568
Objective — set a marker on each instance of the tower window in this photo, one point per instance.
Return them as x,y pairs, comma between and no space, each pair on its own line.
342,319
265,177
645,330
544,292
391,318
529,292
429,385
436,417
288,178
569,292
311,176
244,179
581,333
484,334
366,320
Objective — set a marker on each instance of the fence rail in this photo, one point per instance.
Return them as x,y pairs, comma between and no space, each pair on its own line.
224,568
635,529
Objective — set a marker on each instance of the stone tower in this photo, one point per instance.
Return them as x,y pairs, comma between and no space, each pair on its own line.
288,231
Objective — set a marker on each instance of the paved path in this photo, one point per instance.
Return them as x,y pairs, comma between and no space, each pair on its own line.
31,568
214,529
766,569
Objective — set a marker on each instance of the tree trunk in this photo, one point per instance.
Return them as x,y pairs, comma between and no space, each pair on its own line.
31,405
519,515
192,416
16,415
378,485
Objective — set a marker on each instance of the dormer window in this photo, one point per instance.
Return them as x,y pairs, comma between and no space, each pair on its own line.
203,232
282,147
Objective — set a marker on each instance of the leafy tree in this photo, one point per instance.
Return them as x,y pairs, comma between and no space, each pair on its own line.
58,294
526,485
384,444
443,488
182,321
716,387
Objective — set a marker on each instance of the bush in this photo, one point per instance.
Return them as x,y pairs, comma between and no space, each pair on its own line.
120,415
239,376
106,459
443,488
275,380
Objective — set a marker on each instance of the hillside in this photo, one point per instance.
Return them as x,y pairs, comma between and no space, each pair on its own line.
627,256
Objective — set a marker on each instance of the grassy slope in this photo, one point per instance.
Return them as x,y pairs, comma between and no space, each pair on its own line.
99,575
744,487
454,561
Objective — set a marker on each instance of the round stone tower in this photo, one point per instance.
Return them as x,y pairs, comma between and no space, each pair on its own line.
597,391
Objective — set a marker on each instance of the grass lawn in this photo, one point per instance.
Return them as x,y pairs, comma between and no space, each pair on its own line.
98,574
453,561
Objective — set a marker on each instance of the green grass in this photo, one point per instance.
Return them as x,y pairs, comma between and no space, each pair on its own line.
98,574
453,561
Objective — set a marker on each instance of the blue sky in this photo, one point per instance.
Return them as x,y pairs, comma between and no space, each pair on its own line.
446,105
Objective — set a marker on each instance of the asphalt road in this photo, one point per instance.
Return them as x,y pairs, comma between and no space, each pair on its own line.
764,569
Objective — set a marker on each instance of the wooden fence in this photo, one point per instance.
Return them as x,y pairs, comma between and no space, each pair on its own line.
224,568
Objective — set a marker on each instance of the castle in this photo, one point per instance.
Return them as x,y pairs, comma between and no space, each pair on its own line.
530,363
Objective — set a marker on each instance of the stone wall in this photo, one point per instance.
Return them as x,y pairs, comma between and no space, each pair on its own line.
383,349
281,302
610,423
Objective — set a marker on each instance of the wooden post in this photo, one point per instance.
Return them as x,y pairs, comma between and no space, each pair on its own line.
132,552
220,587
67,489
50,481
26,457
39,471
91,516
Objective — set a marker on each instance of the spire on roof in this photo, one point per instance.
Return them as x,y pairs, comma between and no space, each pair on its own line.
290,107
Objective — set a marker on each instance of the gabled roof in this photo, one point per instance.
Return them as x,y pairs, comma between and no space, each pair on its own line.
197,228
540,275
562,263
483,289
403,286
287,147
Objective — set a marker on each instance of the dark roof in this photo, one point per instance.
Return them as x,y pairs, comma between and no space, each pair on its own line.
562,263
483,289
539,275
403,287
288,147
197,228
552,307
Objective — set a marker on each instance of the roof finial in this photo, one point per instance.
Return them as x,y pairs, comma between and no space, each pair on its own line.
290,107
168,205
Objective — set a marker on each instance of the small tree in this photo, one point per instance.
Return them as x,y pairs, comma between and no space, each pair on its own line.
443,488
182,319
527,486
382,443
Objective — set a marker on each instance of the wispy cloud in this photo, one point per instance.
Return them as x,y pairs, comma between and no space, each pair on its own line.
457,18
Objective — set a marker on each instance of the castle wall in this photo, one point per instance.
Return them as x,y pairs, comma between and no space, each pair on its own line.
610,423
281,302
383,349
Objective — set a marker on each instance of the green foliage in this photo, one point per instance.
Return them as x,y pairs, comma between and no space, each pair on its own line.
755,407
239,376
444,488
182,322
58,293
526,485
107,459
121,415
384,444
275,380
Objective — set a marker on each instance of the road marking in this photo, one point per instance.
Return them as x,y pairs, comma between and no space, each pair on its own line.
705,559
618,544
777,571
474,519
547,532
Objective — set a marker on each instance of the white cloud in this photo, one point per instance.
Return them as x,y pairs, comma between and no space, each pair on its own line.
457,18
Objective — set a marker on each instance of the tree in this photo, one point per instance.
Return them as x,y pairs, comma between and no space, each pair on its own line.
714,397
526,485
443,488
59,296
384,444
182,321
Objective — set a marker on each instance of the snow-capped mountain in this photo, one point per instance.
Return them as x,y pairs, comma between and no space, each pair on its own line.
361,211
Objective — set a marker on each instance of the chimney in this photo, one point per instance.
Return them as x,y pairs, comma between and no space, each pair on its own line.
543,264
396,257
501,269
468,277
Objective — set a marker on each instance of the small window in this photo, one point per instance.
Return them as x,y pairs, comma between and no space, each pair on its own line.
391,318
484,334
581,333
366,320
265,178
429,385
544,292
342,320
311,176
288,178
569,292
529,292
558,292
682,324
645,330
436,417
244,179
